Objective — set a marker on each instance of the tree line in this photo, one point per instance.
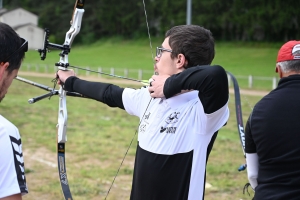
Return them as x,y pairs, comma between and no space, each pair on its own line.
230,20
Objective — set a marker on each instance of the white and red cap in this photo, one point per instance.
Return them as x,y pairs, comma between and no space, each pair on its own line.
288,51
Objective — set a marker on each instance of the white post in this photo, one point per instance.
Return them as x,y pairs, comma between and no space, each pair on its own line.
140,74
87,73
189,12
126,73
250,81
229,80
274,82
112,71
99,70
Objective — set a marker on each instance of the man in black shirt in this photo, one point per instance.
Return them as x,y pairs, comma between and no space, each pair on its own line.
273,133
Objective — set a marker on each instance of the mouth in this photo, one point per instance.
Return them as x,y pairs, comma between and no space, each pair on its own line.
155,70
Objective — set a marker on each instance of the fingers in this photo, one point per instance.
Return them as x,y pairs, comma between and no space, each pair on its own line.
62,75
150,81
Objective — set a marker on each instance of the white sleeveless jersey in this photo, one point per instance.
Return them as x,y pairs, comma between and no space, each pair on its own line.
12,172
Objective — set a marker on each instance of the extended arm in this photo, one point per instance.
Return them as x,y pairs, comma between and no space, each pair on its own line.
13,197
104,92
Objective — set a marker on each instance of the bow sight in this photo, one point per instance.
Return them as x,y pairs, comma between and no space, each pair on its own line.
45,49
70,35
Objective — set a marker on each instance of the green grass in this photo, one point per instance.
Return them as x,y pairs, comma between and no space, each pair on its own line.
246,59
98,136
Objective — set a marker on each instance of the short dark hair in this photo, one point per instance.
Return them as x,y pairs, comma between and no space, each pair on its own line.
9,43
194,42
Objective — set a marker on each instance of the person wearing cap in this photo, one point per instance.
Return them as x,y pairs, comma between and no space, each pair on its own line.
272,135
12,171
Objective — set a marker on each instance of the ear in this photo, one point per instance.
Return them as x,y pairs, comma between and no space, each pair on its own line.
279,71
181,62
3,67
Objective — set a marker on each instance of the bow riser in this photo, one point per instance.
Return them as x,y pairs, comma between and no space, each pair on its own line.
62,117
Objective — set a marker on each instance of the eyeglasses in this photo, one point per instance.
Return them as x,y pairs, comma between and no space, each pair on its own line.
23,47
159,51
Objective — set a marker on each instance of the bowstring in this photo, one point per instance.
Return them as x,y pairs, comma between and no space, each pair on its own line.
128,149
146,17
144,112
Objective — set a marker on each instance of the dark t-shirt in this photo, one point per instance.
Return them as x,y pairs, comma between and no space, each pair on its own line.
273,132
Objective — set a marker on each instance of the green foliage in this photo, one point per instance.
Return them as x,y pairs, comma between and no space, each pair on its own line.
231,20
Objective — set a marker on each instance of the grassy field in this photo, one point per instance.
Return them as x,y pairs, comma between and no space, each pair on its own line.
98,136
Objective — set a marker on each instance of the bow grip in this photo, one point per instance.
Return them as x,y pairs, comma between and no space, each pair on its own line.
62,117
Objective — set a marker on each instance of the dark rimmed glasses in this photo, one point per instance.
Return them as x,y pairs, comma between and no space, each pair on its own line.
23,47
159,51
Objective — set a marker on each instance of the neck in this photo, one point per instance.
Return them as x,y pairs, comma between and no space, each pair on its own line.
288,74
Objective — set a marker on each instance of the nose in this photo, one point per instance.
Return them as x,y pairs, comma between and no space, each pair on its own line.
156,58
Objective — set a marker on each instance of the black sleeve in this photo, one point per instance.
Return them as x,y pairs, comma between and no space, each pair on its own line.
250,146
210,81
104,92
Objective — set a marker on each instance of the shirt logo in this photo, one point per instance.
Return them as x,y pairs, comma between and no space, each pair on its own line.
147,116
172,118
171,130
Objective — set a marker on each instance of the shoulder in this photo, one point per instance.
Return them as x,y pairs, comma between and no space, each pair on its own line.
213,72
8,128
6,125
211,68
217,71
131,91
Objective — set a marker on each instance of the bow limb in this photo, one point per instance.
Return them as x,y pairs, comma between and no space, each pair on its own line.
239,116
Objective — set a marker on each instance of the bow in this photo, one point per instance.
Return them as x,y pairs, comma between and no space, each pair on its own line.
62,110
239,117
63,64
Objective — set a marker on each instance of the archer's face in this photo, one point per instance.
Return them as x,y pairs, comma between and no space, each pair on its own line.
164,64
6,81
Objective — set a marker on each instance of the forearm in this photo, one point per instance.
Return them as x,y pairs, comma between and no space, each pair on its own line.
210,81
104,92
252,168
13,197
